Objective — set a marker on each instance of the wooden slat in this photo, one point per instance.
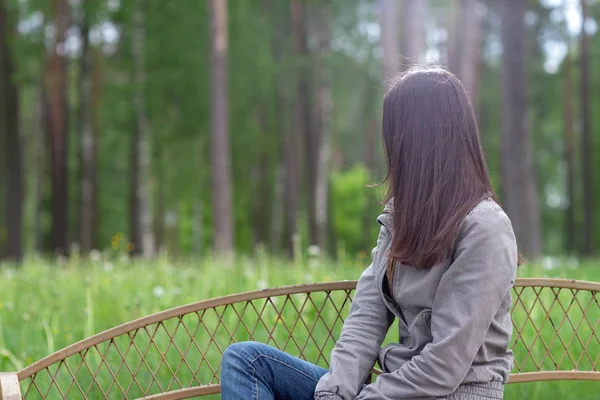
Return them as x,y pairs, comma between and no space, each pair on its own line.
186,393
555,376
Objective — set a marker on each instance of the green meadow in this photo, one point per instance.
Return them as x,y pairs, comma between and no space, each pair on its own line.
47,306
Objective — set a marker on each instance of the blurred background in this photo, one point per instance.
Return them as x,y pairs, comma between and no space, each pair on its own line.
159,152
194,127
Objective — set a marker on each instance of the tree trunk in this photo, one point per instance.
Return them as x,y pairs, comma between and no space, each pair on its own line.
88,103
471,50
143,142
299,128
568,98
282,111
261,183
291,188
160,212
413,31
135,234
306,139
518,179
220,148
586,144
9,125
323,112
3,137
388,20
39,164
455,36
56,81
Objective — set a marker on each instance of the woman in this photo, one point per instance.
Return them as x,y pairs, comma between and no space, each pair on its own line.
444,265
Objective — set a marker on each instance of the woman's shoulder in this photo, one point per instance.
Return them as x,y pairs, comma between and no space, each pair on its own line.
487,217
488,211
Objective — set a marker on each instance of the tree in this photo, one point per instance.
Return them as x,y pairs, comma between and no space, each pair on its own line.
471,50
57,127
10,129
292,140
413,31
518,180
568,99
388,20
464,45
304,128
455,34
586,145
323,113
282,110
220,148
87,132
142,140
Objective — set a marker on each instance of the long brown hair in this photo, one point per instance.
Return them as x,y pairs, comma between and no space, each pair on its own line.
436,168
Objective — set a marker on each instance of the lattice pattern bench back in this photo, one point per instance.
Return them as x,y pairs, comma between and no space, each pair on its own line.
176,353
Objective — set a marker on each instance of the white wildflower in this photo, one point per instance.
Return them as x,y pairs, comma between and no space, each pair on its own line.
262,284
314,250
549,263
158,291
95,256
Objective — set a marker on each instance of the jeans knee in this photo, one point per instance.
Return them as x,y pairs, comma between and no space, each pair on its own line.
242,352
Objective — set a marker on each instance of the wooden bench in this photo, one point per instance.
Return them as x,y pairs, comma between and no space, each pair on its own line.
175,354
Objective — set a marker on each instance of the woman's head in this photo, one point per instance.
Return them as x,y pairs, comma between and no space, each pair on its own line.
436,167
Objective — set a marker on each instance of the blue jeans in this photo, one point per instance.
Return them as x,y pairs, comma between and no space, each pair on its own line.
252,370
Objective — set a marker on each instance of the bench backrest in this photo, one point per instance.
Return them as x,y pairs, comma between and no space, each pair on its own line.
176,353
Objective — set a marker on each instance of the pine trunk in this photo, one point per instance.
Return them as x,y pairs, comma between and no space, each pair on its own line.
135,234
413,31
282,111
568,98
220,148
143,142
388,20
88,101
586,144
323,112
518,179
9,125
39,164
471,50
57,112
306,139
455,36
3,134
261,183
299,128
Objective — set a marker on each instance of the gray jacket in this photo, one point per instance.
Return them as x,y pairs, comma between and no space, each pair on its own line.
453,319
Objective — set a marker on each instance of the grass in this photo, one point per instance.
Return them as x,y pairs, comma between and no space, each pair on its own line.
45,307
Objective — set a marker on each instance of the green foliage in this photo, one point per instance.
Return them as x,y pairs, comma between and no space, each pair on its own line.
354,210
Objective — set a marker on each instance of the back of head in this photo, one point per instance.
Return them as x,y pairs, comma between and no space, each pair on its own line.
436,168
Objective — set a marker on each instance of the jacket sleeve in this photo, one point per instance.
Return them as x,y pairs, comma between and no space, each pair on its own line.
468,297
358,346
